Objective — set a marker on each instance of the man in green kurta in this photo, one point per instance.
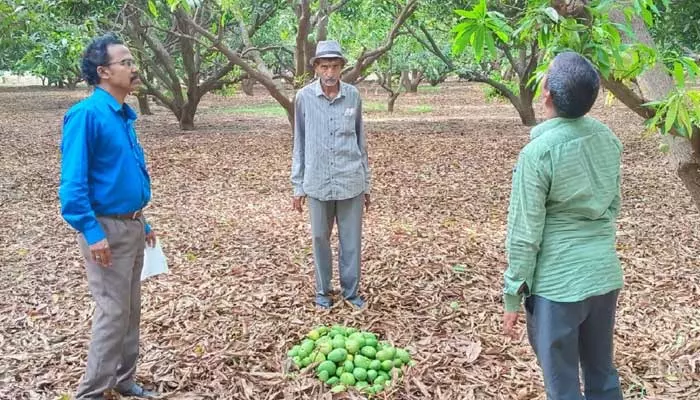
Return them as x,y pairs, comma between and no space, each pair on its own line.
560,243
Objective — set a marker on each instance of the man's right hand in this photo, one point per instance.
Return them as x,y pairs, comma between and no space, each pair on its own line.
298,202
101,254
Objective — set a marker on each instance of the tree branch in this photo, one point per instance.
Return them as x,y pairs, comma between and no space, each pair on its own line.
236,59
164,58
140,47
534,58
152,90
188,57
264,49
430,45
367,59
385,82
260,64
628,97
261,19
516,66
214,80
322,16
304,15
337,6
500,87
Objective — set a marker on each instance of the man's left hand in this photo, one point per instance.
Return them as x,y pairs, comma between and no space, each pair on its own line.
510,320
151,238
367,202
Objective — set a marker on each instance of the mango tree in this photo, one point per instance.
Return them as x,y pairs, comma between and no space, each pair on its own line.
668,101
176,67
389,79
311,23
510,36
614,35
39,38
673,30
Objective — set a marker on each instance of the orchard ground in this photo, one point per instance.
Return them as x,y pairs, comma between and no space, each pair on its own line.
240,288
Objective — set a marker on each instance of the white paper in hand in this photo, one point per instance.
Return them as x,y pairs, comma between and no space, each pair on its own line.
154,261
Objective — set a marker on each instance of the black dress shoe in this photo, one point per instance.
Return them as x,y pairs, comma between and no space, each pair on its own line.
137,391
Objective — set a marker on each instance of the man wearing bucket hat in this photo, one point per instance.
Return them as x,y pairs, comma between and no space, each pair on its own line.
330,169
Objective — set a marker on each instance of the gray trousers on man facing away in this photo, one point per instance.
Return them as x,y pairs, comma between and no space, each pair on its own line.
564,335
116,290
348,215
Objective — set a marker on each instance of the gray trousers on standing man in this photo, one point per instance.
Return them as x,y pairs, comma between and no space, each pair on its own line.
348,215
564,335
116,290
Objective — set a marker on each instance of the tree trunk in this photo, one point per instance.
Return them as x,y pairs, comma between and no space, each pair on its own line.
187,113
525,109
410,80
655,84
247,86
509,74
435,82
527,114
392,100
144,108
289,108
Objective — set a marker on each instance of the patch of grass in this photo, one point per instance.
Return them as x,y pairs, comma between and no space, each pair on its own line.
268,110
374,106
428,89
423,108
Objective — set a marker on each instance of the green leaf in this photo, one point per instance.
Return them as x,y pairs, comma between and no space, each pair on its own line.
478,43
647,17
679,74
467,14
692,67
552,14
462,26
500,29
671,116
684,119
152,8
461,40
480,9
491,45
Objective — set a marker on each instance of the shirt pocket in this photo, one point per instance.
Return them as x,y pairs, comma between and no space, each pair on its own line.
348,121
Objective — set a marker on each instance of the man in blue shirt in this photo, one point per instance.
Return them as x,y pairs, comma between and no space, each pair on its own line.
104,187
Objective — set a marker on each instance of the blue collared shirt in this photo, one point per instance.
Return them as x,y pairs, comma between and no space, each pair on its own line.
103,168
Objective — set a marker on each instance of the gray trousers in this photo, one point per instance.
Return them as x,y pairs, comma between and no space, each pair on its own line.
116,290
564,335
348,215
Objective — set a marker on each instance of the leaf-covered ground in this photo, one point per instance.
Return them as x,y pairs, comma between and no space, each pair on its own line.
240,289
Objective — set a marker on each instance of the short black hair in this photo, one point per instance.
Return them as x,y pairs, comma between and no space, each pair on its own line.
573,83
96,55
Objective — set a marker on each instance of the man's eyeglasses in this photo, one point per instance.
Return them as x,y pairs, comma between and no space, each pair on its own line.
127,62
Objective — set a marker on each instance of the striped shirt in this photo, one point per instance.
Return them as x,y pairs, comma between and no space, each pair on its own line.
562,215
329,160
